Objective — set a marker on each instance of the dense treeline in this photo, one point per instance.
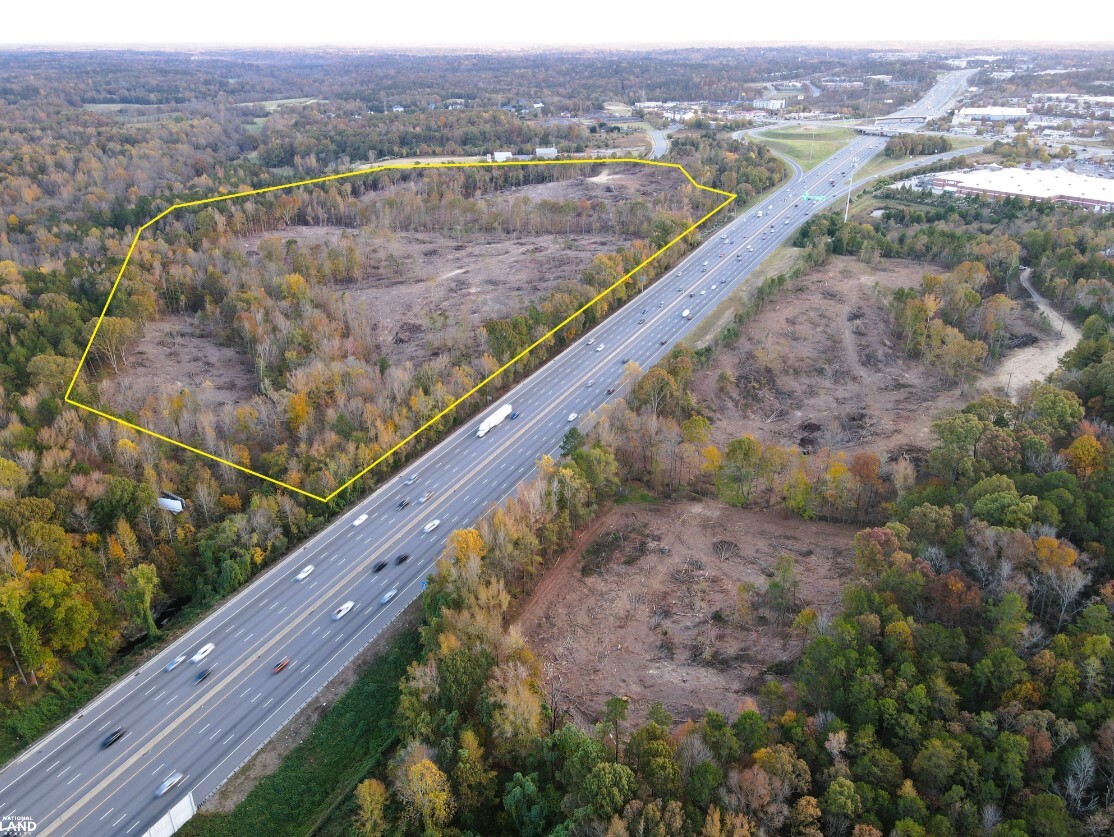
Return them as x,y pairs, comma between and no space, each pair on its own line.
311,140
743,168
906,145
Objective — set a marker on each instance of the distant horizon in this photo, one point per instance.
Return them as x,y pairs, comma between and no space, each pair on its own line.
574,24
879,45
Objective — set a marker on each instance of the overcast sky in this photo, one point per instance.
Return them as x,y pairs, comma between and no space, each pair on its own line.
542,22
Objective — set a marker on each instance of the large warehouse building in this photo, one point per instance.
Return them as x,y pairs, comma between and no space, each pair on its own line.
1060,185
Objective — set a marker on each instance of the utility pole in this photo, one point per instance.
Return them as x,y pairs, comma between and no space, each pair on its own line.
850,181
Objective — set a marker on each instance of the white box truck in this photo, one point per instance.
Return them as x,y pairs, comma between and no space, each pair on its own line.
686,314
494,419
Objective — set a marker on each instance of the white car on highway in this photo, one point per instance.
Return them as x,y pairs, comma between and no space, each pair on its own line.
304,574
390,594
572,417
172,781
177,661
343,609
202,652
600,347
429,527
359,520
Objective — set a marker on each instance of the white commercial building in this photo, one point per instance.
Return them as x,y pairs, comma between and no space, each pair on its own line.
993,114
1059,185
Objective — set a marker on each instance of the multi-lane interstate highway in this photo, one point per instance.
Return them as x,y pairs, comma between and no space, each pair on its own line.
69,785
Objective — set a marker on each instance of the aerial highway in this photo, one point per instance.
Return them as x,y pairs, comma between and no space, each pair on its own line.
185,735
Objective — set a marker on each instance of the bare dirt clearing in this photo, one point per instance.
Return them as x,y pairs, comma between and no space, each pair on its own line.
818,367
176,354
420,288
655,620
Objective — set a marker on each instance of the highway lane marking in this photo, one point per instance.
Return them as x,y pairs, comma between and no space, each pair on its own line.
133,825
65,770
159,695
54,765
215,734
75,776
257,696
204,728
118,821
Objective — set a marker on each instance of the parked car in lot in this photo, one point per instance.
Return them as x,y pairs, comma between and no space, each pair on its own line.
172,781
429,527
343,609
304,574
280,665
202,652
112,738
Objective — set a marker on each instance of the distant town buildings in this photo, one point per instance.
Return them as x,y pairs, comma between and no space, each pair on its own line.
545,153
769,104
1059,185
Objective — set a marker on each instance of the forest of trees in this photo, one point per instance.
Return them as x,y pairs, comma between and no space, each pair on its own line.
963,688
906,145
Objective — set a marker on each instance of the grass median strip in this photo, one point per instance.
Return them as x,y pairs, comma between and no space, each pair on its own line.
320,774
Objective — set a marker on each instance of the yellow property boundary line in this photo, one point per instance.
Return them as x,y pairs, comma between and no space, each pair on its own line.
729,197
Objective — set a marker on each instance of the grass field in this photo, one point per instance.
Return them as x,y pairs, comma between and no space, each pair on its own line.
802,142
311,791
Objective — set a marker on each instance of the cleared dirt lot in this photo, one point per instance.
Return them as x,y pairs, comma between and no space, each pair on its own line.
654,620
174,354
818,367
421,291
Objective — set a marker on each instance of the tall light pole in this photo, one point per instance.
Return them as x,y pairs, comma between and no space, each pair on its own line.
850,181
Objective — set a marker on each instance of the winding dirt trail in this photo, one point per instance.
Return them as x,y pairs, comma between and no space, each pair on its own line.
1033,362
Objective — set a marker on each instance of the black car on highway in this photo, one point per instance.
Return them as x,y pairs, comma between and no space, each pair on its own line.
112,738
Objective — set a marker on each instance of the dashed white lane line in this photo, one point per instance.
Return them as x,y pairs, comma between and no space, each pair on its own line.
118,821
215,734
131,827
106,813
75,776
